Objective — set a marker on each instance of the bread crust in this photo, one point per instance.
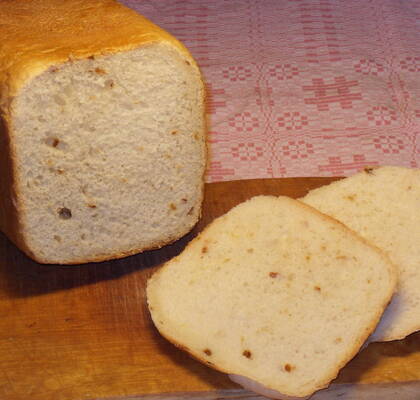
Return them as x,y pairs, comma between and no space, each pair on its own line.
41,34
357,345
9,216
37,34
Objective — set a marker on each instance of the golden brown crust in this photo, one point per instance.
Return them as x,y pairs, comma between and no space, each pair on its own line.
37,34
9,216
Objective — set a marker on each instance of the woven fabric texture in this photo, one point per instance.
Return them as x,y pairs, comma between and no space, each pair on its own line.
302,87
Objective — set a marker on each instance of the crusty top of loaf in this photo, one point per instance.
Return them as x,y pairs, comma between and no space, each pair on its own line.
36,34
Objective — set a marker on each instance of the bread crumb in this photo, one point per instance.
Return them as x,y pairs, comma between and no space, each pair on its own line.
172,206
174,132
369,170
338,340
204,250
247,354
109,83
288,368
91,205
54,142
351,197
273,274
317,288
100,71
207,352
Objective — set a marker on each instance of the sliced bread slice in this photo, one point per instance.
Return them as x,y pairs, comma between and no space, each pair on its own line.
273,291
383,205
103,131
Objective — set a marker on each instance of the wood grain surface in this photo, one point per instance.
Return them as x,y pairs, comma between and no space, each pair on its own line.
84,332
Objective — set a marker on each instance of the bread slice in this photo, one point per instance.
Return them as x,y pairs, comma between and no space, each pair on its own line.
273,291
383,205
103,131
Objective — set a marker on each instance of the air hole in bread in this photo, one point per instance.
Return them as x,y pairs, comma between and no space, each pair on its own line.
64,213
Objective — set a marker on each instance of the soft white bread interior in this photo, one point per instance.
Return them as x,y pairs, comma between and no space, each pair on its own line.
275,292
103,131
383,205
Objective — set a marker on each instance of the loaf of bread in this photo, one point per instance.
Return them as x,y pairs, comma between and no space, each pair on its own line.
383,205
102,131
273,292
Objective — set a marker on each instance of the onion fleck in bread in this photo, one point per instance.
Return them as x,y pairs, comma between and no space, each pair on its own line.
102,131
273,291
383,205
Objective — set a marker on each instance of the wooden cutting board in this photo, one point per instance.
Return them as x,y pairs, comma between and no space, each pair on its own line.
83,332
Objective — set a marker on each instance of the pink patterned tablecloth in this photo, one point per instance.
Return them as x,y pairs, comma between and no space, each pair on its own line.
303,87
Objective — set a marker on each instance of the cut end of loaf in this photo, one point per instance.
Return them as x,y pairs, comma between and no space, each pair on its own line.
109,154
382,204
273,291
